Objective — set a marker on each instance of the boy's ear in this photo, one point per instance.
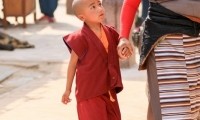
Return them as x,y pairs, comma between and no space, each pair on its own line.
81,17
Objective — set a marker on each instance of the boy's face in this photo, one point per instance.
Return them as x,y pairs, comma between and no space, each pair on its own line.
93,11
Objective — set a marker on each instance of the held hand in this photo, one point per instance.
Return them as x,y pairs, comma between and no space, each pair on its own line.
65,97
126,52
124,48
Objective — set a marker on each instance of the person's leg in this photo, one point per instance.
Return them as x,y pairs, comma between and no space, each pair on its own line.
44,6
92,109
154,110
52,5
47,8
150,112
113,111
99,108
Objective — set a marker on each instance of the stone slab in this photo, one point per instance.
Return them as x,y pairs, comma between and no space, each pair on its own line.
20,64
7,71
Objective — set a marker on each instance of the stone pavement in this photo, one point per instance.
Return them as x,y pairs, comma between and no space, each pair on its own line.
33,80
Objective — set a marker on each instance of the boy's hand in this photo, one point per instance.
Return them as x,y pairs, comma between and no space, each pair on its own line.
126,52
65,97
124,48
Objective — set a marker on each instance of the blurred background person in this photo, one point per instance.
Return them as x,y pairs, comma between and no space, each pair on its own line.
145,6
139,19
113,10
47,8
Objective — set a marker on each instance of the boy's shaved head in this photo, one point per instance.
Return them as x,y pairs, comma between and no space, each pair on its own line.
77,6
83,9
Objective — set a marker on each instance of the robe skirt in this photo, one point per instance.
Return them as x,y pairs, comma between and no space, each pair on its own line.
99,108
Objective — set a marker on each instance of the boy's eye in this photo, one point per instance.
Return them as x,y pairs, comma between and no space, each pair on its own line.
93,7
100,4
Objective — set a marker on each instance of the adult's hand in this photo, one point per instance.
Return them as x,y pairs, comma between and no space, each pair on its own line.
124,48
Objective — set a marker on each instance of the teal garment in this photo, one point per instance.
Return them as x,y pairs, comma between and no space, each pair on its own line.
48,7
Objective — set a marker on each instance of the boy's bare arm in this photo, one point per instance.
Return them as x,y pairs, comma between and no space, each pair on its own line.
70,77
71,70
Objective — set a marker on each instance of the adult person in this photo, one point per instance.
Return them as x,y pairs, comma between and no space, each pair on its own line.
170,52
47,8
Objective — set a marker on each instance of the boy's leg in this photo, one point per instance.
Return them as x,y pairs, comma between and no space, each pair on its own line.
99,108
113,110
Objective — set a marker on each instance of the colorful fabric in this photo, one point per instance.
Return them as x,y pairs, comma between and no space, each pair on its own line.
178,75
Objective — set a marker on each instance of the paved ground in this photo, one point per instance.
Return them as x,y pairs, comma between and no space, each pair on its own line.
32,80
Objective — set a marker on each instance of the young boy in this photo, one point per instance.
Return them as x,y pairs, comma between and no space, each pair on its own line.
94,59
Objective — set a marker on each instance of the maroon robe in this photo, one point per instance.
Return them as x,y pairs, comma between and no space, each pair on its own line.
97,71
99,108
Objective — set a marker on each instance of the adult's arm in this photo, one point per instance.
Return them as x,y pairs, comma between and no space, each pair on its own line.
129,9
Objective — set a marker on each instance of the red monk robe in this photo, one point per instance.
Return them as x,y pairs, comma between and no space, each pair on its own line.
97,72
